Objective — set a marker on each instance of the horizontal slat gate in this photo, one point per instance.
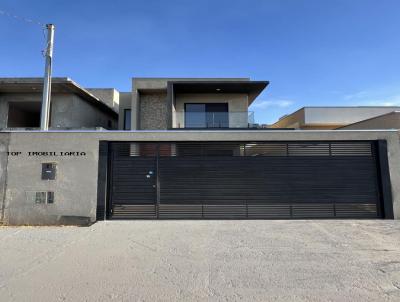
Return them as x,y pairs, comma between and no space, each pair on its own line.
258,187
285,180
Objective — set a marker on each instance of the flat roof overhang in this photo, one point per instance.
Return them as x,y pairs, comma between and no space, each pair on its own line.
252,88
58,85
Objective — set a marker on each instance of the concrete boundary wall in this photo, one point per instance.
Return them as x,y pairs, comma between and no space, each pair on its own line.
4,140
76,155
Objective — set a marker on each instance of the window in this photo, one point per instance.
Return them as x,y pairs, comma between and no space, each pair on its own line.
127,119
44,197
23,115
209,115
40,197
195,115
50,197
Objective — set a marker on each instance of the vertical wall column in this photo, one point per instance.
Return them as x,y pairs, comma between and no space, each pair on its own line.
3,113
102,181
135,110
384,176
4,140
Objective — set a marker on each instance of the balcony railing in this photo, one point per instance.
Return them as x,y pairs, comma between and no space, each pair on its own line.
236,119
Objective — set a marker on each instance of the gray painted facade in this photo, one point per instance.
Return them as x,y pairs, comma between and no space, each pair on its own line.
75,187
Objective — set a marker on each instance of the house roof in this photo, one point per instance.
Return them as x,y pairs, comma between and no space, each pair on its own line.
200,85
58,85
252,88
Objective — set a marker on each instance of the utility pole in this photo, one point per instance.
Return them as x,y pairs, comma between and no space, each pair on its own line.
44,116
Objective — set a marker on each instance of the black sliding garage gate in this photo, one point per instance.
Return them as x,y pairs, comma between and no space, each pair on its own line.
244,180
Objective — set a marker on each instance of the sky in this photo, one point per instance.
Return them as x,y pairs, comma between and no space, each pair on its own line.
313,52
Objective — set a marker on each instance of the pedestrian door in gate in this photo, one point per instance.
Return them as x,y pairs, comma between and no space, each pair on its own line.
134,180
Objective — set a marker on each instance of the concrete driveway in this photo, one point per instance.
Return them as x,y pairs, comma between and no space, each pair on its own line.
203,261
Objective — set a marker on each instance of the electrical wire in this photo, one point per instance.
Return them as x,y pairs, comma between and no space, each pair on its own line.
23,19
30,21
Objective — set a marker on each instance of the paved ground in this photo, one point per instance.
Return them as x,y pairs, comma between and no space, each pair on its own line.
203,261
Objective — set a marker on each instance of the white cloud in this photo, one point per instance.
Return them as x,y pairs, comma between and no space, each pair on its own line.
373,98
356,96
389,101
272,103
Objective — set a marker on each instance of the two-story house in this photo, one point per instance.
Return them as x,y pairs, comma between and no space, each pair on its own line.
189,149
187,103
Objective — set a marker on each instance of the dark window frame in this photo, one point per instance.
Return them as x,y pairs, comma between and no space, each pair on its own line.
207,107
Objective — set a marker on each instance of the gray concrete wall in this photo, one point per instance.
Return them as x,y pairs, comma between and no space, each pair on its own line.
4,140
70,111
76,185
67,111
125,102
153,111
109,96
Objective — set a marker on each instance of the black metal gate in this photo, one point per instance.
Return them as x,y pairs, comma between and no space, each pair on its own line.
244,180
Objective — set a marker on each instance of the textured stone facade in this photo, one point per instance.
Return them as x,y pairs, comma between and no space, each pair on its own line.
153,111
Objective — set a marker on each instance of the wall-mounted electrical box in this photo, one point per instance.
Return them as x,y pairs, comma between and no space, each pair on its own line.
49,171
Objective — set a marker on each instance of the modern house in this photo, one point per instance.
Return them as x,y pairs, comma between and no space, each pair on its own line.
185,103
329,118
190,149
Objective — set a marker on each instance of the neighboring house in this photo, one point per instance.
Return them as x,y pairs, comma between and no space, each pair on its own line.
190,149
72,107
389,120
329,118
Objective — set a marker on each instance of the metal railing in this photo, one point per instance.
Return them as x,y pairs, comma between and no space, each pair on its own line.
236,119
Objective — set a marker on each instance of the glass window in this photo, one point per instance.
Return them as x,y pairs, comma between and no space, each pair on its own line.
127,119
195,115
209,115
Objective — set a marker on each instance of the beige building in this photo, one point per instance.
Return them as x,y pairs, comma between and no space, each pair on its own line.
389,120
329,118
